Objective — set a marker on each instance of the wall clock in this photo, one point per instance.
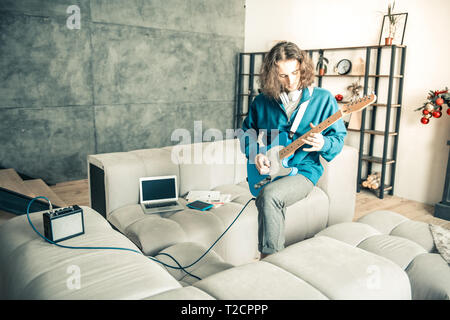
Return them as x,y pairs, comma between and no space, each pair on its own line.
344,66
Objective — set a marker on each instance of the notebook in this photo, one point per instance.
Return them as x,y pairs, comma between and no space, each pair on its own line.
159,194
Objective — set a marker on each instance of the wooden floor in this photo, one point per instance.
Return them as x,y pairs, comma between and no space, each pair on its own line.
73,192
77,192
366,202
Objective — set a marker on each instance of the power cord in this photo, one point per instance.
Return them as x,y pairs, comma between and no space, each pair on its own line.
179,267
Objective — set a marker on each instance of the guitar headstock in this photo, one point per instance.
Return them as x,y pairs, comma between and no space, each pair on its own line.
359,104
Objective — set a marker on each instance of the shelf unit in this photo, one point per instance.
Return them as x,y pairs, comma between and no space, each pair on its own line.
247,90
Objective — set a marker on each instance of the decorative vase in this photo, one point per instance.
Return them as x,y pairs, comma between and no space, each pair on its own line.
388,41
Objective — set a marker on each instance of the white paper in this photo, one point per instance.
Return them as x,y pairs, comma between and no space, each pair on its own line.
207,196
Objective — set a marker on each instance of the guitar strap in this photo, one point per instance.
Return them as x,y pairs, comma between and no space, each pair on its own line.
300,114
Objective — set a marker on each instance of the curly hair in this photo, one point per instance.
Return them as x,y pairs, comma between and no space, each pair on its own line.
269,77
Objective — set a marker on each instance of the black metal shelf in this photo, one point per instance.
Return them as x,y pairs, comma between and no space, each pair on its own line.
245,73
388,107
367,157
385,105
375,132
357,47
360,75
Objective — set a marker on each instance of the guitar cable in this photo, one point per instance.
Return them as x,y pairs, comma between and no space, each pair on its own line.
178,267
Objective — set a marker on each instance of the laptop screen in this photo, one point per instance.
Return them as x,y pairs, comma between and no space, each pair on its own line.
158,189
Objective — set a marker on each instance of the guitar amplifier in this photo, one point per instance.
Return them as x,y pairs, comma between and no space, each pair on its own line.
63,223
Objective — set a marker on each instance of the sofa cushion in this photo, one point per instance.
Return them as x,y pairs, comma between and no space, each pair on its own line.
339,184
416,231
407,243
206,165
185,293
187,254
317,268
341,271
258,281
306,217
36,269
400,250
352,233
430,277
155,232
384,221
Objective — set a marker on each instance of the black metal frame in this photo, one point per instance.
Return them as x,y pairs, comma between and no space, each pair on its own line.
404,26
239,114
370,158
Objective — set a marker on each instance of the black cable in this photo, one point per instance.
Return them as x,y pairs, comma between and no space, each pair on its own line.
179,265
132,250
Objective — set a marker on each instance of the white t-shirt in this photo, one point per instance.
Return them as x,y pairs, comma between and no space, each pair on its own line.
294,99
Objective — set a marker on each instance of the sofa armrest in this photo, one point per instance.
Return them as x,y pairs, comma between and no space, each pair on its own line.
114,180
117,174
339,183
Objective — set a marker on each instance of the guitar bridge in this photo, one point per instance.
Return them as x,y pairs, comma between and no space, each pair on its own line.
263,182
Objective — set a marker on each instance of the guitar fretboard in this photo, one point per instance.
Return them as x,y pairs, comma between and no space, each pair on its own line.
290,149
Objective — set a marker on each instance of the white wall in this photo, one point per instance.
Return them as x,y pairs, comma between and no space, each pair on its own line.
423,151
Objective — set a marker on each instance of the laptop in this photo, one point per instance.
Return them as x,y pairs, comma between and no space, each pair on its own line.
159,194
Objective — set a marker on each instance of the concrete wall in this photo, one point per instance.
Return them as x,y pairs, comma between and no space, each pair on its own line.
126,79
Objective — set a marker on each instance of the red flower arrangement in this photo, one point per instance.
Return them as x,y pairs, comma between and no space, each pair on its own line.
433,106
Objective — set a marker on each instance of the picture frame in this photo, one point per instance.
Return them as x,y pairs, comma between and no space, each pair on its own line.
399,34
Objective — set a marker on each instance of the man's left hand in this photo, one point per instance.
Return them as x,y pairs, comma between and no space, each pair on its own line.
315,140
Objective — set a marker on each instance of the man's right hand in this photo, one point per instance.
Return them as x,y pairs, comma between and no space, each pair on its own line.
262,163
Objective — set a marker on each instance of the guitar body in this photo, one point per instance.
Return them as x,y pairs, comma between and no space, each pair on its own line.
278,167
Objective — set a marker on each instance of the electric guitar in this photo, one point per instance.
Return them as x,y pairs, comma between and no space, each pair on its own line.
279,154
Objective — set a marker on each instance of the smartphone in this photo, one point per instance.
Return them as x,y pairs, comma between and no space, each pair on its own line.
200,205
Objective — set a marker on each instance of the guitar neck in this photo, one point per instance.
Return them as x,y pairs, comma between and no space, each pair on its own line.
290,149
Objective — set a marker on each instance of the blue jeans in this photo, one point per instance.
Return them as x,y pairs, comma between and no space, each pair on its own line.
271,203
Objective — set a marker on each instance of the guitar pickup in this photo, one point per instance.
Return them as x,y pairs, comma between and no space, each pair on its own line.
263,182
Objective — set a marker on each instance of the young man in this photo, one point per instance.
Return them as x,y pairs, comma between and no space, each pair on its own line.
286,74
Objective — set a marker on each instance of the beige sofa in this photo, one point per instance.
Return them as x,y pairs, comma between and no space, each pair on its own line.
317,268
219,165
311,267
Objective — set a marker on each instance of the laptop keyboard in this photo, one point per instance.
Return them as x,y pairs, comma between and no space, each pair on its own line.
158,205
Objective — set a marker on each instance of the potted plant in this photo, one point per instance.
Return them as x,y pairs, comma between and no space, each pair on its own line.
393,19
354,88
322,65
